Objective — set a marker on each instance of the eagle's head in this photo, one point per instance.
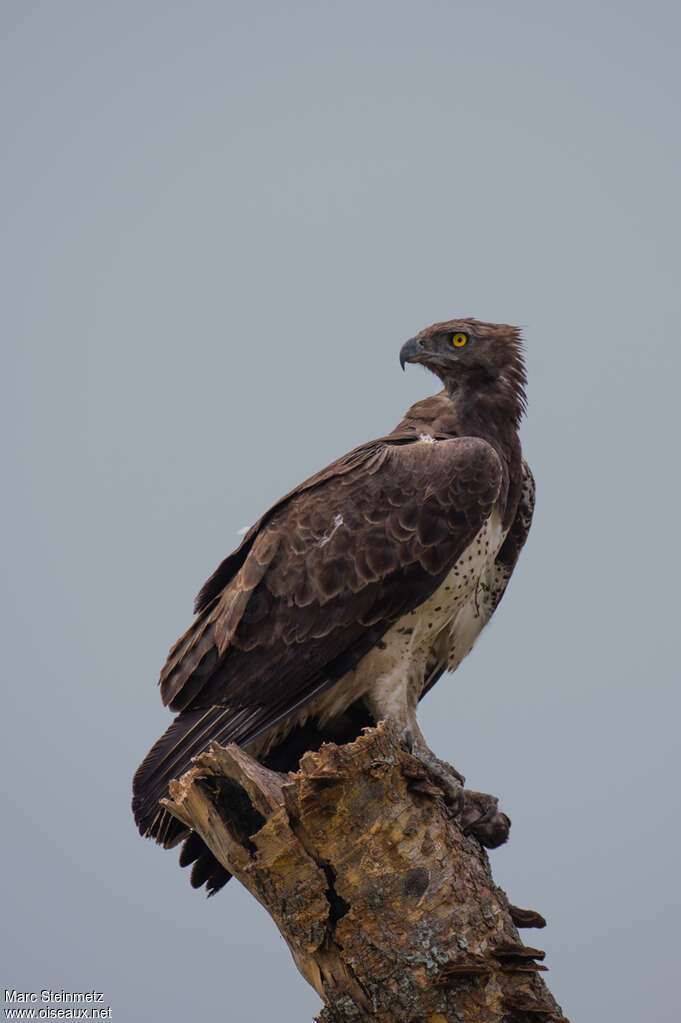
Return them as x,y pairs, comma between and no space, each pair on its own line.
470,355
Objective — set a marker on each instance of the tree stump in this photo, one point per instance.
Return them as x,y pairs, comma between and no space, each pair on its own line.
387,906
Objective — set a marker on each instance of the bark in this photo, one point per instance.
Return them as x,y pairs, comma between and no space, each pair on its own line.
389,909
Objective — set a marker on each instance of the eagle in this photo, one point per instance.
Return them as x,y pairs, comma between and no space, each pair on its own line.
346,602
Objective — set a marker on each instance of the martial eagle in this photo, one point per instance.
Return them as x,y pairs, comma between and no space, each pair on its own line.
350,597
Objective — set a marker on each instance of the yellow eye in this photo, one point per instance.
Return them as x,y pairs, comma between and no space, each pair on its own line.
459,339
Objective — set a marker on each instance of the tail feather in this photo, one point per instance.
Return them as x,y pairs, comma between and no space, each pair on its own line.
206,869
190,734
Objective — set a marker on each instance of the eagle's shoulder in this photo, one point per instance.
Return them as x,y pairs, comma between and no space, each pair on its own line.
434,414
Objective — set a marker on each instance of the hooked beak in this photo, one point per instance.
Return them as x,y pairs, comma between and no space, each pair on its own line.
410,351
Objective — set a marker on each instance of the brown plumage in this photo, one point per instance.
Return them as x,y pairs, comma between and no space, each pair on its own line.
351,596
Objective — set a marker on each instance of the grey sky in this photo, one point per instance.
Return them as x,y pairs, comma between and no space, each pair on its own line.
221,221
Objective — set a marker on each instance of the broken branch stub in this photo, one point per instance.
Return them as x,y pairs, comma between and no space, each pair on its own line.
388,907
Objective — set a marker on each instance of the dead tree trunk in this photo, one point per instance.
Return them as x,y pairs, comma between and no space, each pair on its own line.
389,909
